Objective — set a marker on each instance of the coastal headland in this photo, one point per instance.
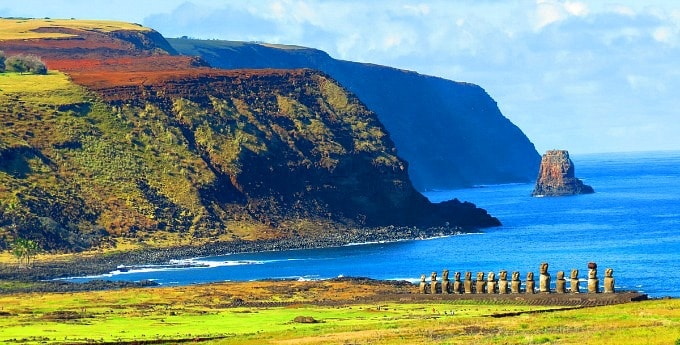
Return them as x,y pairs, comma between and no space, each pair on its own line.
124,144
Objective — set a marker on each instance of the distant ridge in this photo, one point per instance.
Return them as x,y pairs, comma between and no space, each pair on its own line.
452,134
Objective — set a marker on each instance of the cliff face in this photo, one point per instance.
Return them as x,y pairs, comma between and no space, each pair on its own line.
556,176
287,145
160,149
452,134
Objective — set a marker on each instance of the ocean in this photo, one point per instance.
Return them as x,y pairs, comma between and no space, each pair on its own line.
630,224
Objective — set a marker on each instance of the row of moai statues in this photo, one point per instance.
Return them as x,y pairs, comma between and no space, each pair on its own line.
502,286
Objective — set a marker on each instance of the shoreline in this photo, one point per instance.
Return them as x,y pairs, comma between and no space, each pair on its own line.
47,272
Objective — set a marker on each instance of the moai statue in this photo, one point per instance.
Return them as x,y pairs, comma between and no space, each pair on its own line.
457,284
435,287
544,279
574,282
560,283
467,284
491,283
609,280
423,285
446,284
515,284
480,284
593,282
503,282
531,284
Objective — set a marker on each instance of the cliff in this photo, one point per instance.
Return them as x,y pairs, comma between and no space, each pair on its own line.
556,176
131,144
452,134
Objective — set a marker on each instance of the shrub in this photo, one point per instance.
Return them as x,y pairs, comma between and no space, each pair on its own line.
2,61
25,64
305,319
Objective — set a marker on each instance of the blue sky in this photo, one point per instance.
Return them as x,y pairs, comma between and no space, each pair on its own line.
586,76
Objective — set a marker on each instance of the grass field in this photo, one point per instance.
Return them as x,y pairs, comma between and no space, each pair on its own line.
25,28
54,88
206,313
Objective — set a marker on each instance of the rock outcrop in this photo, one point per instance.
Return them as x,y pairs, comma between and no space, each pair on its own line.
556,176
452,134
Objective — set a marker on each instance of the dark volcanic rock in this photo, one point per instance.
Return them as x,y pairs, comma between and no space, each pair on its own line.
556,176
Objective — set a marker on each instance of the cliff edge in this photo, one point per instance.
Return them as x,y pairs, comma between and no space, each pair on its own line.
452,134
556,176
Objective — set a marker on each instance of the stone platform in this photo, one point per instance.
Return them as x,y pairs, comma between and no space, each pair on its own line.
566,299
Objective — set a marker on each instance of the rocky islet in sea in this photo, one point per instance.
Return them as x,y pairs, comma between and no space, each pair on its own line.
556,176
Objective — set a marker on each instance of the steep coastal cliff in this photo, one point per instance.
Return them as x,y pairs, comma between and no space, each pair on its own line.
556,176
134,144
452,134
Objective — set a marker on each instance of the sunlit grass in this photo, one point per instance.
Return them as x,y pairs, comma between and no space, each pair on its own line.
24,28
206,311
54,88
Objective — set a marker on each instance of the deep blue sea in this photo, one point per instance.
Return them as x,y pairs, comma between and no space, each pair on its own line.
631,224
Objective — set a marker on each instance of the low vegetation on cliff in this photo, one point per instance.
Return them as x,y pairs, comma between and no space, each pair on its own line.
451,133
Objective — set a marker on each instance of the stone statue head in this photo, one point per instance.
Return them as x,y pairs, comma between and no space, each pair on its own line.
574,274
422,278
457,276
433,276
445,275
592,274
491,276
609,273
515,275
544,268
503,275
480,276
530,276
560,275
468,275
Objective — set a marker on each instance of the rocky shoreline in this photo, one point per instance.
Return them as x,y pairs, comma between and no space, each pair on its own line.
42,273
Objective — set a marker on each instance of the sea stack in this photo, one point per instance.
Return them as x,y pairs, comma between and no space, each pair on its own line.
556,176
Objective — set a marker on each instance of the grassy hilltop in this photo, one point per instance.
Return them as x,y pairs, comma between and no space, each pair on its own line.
36,28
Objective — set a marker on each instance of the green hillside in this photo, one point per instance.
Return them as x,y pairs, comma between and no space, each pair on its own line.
132,152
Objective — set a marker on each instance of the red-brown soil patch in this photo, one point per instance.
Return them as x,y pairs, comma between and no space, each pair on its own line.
123,64
103,80
106,60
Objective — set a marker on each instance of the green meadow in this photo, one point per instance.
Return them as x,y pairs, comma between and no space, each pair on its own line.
207,314
55,88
